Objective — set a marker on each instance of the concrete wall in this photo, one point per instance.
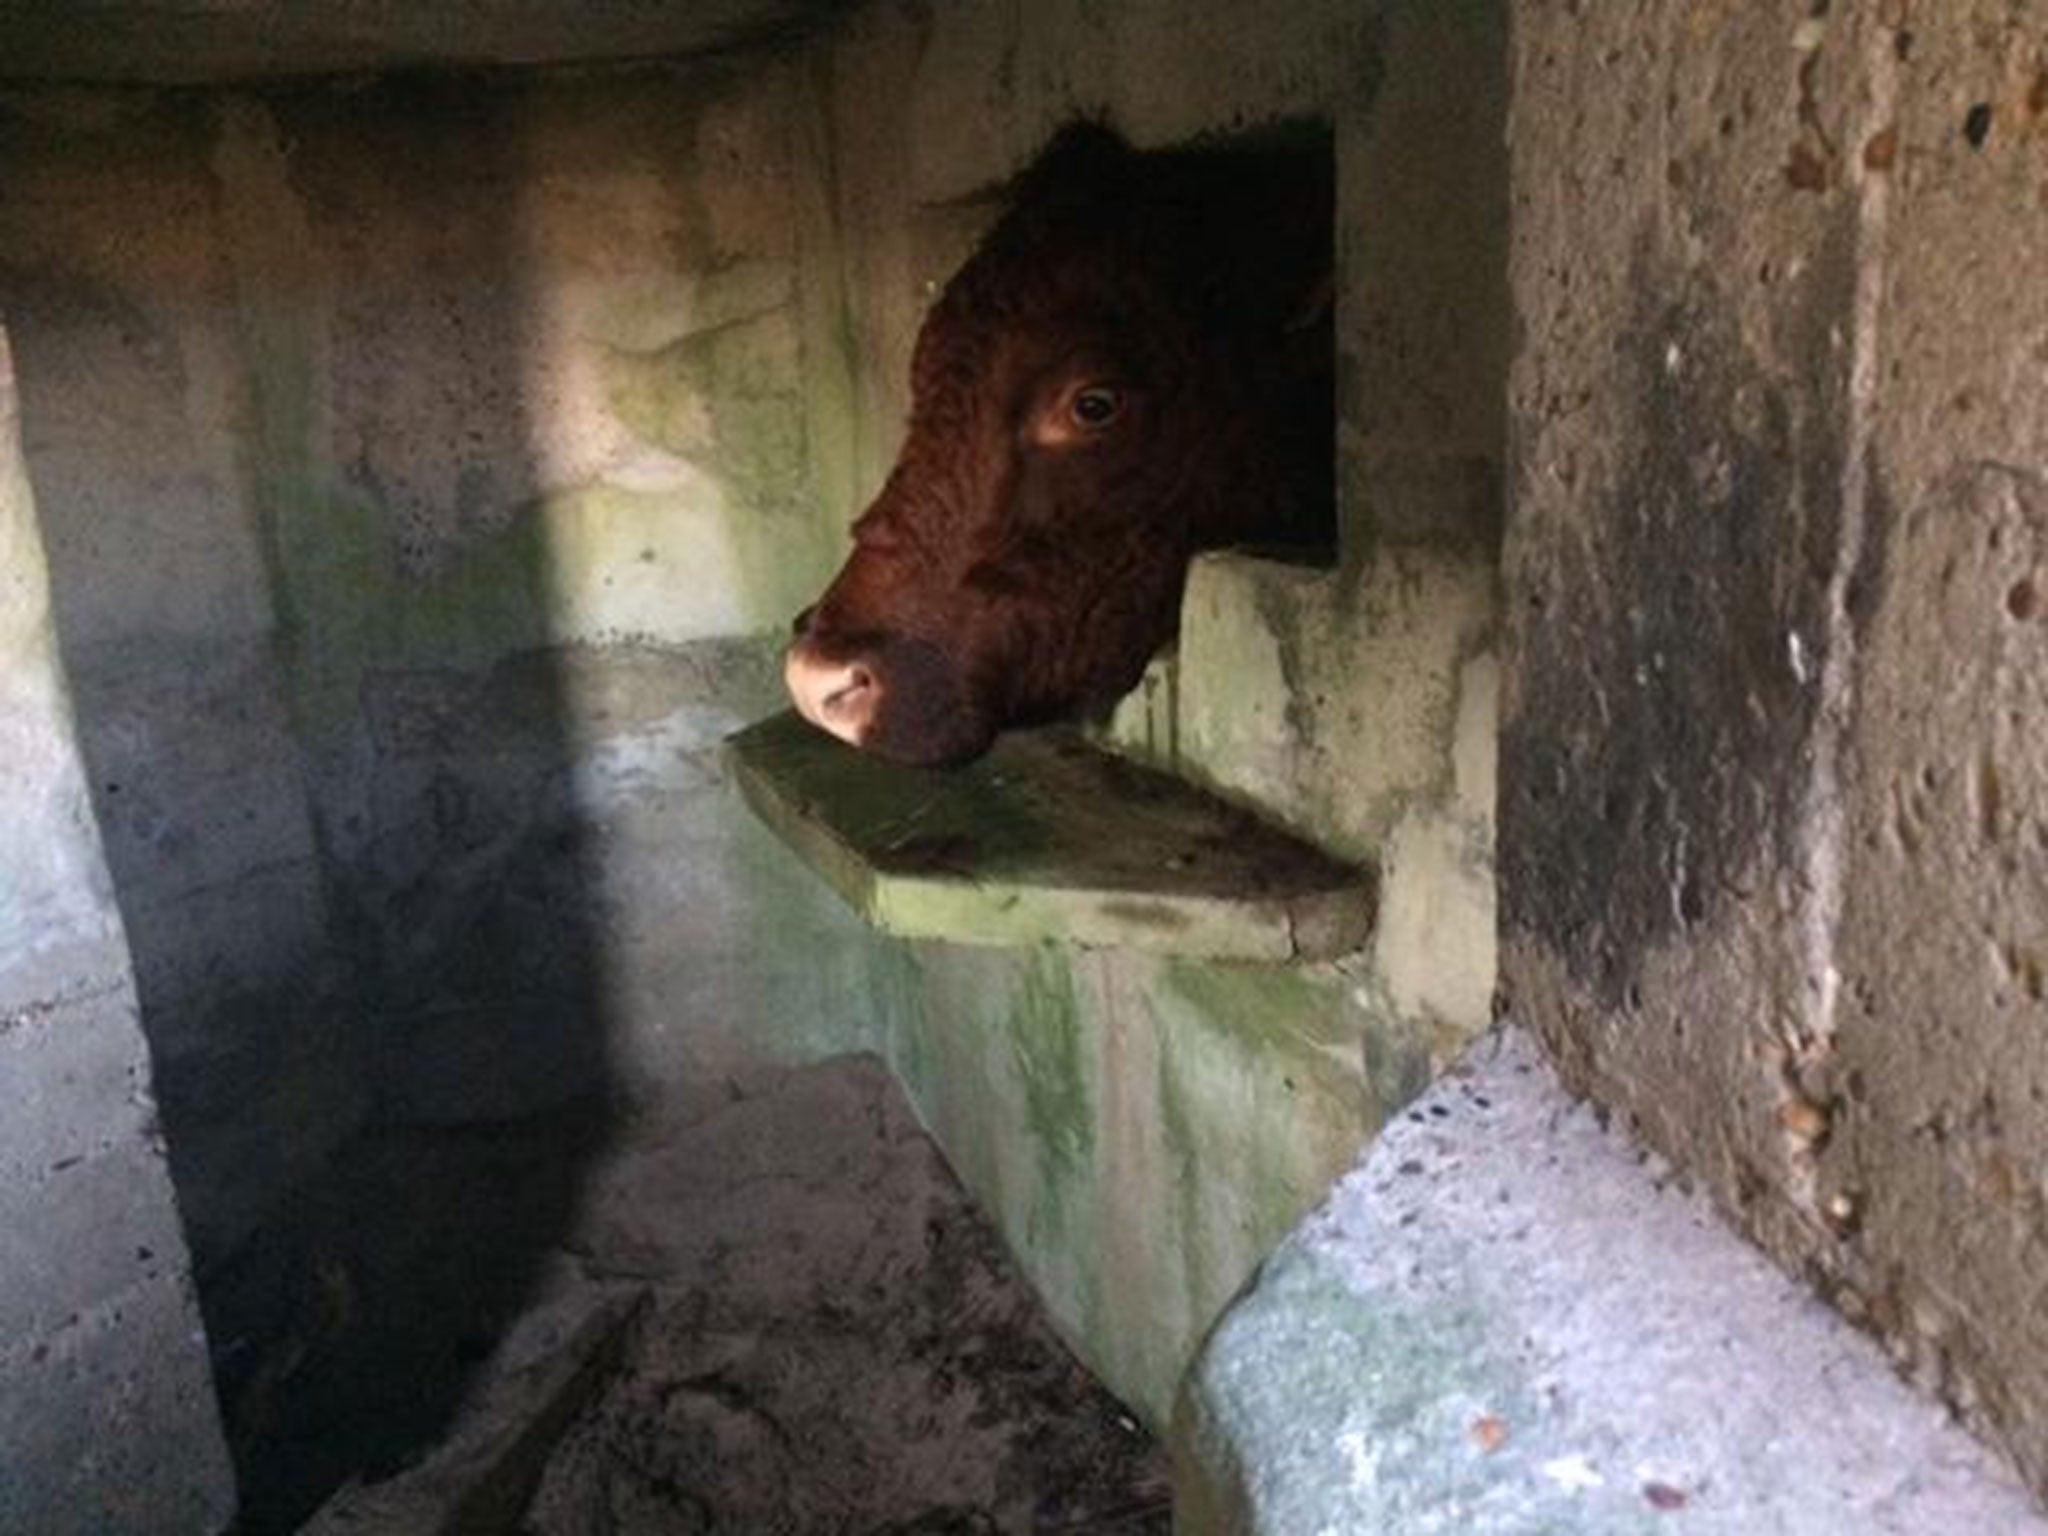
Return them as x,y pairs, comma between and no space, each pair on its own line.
1145,1132
537,384
425,467
108,1416
1774,857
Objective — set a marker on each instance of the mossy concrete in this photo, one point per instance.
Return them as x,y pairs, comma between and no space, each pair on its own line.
638,469
1144,1129
1046,838
416,383
1358,706
350,403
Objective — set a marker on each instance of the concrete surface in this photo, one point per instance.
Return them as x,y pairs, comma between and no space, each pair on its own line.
1774,849
1507,1319
108,1421
1358,706
1048,839
201,42
412,382
1143,1129
424,465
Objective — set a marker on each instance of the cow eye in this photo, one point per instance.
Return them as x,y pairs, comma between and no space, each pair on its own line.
1097,406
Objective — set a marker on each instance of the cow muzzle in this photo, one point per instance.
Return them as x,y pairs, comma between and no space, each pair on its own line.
838,697
897,696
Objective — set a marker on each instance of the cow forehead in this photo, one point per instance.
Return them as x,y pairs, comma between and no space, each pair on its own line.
980,363
1050,286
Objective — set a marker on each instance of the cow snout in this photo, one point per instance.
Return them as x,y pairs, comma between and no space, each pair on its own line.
838,697
897,696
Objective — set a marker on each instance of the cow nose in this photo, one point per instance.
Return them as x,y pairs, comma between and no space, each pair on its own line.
838,697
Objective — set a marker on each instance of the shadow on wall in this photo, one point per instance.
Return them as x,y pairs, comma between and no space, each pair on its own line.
331,758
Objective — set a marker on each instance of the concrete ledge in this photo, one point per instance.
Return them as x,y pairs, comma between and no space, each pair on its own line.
1049,838
1509,1320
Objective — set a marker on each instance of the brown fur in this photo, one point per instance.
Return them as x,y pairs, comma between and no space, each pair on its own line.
1020,565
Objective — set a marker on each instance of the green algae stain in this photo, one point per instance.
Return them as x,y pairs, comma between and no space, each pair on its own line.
899,989
1177,1120
727,400
343,604
1268,1007
1263,1099
1240,1144
1043,1028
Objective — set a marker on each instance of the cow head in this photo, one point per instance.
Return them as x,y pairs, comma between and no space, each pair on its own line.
1130,367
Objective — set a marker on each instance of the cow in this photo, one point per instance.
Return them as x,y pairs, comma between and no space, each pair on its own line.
1133,365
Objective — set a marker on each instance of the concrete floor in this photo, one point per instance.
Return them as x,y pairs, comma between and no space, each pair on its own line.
778,1312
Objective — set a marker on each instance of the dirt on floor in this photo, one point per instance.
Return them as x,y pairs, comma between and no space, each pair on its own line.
837,1342
777,1313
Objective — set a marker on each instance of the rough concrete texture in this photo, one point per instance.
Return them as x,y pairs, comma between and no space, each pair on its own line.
1775,839
1507,1320
1359,706
129,389
412,379
108,1421
571,901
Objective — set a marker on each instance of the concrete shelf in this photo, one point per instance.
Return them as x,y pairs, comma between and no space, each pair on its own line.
1048,837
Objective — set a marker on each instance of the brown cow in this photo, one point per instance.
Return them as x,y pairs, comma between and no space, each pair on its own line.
1133,365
